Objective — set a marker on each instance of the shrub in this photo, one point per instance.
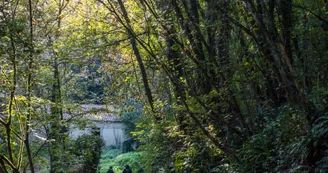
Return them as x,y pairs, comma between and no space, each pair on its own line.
86,151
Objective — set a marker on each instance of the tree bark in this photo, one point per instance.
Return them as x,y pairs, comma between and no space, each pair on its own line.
29,92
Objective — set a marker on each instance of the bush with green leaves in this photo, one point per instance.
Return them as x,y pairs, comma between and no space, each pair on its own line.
86,151
114,157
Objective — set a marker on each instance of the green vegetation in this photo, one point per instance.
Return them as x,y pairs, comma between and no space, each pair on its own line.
201,85
86,152
113,157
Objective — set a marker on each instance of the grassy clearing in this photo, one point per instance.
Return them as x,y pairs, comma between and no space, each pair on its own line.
114,157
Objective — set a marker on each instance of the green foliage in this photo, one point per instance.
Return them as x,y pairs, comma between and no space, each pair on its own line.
130,113
113,157
86,153
87,83
204,86
110,152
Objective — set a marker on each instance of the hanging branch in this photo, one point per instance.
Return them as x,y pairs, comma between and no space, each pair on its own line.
5,159
12,97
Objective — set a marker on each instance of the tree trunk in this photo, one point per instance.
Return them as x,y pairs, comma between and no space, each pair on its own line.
29,92
137,54
56,147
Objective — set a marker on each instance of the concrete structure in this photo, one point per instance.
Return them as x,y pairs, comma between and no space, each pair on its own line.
109,125
103,117
112,133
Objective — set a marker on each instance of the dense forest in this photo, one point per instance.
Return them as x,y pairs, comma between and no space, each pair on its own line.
203,85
